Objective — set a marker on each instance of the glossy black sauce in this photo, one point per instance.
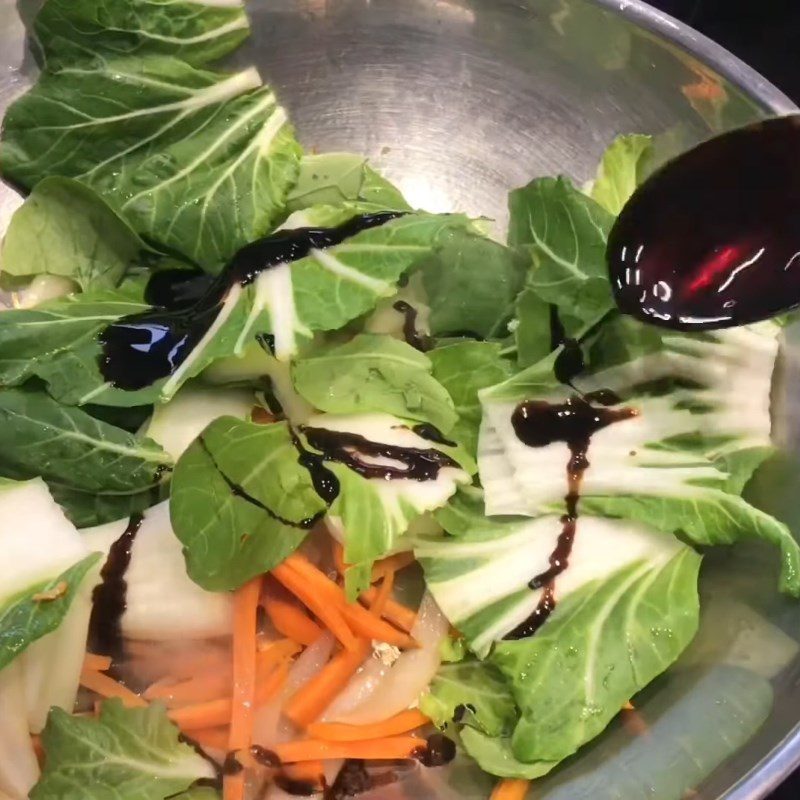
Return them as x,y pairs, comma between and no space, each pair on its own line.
354,450
538,423
352,780
267,343
264,757
324,481
712,239
231,765
461,711
438,751
140,349
430,432
109,598
177,288
410,331
238,491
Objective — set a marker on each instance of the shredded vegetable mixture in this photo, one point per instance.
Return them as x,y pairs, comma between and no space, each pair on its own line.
307,492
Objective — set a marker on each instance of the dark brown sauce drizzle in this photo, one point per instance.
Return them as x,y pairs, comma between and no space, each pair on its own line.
109,598
438,751
430,432
538,423
239,491
410,331
347,448
140,349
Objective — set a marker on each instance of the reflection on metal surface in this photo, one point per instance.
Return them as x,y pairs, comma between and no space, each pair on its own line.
460,100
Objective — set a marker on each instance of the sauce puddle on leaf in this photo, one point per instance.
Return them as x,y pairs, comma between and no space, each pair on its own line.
140,349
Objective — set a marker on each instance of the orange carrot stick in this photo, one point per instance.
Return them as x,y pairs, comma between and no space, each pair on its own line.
370,626
290,619
319,602
357,617
107,687
314,697
396,613
218,712
510,789
216,737
403,722
194,690
245,606
198,716
373,749
96,662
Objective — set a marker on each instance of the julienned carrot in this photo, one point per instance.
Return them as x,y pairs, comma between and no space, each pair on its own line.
199,716
245,634
275,653
403,722
384,593
308,702
359,620
290,620
216,738
373,749
218,712
207,686
317,599
96,662
398,614
510,789
107,687
371,626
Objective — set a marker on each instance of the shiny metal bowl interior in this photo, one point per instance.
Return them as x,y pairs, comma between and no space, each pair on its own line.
460,100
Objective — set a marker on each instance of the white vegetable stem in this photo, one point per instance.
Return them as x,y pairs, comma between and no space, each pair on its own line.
377,691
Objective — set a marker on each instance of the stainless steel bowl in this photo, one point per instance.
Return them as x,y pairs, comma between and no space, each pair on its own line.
460,100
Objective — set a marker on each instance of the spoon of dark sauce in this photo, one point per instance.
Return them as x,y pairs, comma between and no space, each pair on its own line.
712,239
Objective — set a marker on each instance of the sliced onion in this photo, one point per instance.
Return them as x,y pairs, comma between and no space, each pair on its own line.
270,727
377,691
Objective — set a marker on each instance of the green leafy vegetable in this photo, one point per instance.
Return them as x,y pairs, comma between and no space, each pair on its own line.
371,514
70,31
495,755
133,753
470,283
39,610
621,171
464,368
703,425
532,332
343,178
58,342
565,234
196,161
241,502
374,373
601,645
479,571
472,693
98,472
66,229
